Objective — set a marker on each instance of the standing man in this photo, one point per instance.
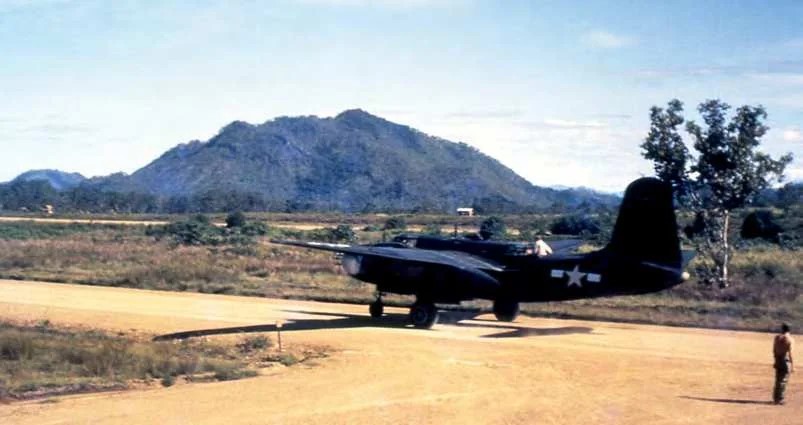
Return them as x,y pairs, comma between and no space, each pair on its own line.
784,365
541,247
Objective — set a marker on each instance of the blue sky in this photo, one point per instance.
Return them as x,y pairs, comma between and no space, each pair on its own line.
557,91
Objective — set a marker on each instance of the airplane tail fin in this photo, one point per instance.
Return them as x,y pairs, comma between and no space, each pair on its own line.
646,228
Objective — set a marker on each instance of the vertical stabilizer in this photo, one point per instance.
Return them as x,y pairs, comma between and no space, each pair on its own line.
646,228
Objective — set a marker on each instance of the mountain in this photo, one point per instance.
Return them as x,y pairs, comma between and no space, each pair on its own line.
59,180
352,162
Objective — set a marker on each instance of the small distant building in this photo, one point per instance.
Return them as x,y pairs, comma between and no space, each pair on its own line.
466,212
47,210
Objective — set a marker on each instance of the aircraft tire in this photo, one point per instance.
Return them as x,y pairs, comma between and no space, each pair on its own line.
376,309
423,315
505,310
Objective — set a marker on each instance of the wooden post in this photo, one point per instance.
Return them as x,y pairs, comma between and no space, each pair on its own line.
279,333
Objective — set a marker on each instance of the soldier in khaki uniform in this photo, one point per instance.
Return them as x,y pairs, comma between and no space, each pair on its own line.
784,365
541,248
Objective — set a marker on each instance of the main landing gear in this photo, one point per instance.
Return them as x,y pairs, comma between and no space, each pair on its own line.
423,314
376,308
506,310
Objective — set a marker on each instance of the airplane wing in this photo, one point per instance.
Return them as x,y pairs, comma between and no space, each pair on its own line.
564,246
460,260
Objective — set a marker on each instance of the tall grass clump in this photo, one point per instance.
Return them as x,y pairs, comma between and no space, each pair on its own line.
41,358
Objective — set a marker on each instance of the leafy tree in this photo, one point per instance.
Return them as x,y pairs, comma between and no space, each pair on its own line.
789,195
760,224
726,173
493,227
235,219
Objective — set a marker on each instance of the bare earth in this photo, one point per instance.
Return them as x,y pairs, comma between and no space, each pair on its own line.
469,370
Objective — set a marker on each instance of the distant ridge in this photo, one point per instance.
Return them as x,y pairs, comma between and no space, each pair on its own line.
352,162
59,180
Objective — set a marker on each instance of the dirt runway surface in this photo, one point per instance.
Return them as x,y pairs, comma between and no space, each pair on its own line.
467,370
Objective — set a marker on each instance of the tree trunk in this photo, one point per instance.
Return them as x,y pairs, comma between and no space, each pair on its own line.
723,282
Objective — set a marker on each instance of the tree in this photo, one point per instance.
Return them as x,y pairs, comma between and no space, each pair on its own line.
761,224
235,219
493,227
726,173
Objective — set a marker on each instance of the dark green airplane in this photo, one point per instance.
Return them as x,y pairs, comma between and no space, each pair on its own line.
643,256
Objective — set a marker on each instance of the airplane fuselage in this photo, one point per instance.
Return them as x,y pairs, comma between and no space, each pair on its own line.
526,278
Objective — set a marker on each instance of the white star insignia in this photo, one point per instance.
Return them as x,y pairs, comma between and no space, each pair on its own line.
574,277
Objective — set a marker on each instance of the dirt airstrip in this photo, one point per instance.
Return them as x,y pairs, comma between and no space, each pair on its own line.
467,370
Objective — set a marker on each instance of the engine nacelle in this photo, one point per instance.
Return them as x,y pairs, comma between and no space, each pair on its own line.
352,264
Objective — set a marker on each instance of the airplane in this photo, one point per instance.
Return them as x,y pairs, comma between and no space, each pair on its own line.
643,256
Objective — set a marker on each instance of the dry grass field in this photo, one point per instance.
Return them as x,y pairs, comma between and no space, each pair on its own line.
767,281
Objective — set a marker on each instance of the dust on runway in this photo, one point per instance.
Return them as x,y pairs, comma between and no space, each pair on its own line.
468,370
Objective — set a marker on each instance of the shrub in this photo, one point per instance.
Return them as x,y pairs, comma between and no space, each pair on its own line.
287,359
343,233
575,225
493,227
225,370
235,219
254,343
197,230
395,223
168,381
432,229
254,228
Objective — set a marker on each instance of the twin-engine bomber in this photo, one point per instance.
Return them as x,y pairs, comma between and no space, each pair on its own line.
643,256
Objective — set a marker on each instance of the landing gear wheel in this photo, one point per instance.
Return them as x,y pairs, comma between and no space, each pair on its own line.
505,310
423,315
376,308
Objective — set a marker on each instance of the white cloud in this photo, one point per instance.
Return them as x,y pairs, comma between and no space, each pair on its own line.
570,124
793,174
485,114
551,151
607,40
792,134
781,78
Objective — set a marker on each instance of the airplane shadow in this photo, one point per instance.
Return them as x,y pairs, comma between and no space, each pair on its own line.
727,400
398,321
